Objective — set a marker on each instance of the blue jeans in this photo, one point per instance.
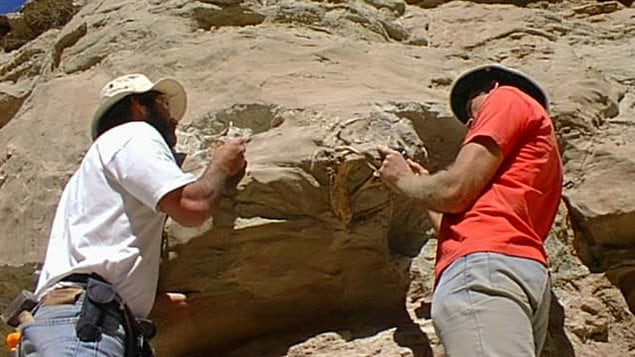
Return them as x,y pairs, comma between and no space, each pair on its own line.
52,334
489,304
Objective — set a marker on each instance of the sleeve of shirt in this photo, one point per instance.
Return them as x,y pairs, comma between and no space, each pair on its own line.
145,167
502,118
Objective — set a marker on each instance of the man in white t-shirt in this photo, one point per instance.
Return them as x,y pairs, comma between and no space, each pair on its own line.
106,235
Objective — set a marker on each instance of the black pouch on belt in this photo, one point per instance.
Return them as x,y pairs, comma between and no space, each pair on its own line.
99,297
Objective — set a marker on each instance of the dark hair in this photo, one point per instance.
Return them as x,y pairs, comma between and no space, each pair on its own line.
478,88
481,87
120,113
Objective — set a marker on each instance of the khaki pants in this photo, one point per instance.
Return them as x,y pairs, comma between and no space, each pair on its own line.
489,304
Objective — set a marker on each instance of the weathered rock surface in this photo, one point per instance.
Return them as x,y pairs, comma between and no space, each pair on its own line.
311,255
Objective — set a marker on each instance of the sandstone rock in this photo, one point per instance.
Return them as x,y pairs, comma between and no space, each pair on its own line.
309,247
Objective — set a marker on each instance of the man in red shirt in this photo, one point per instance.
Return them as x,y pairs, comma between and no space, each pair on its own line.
493,209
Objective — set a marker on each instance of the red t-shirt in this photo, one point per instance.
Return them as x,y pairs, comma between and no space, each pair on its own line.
514,214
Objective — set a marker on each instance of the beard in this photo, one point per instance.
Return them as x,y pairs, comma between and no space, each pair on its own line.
163,123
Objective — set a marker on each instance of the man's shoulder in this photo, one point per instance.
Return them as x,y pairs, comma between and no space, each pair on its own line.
128,130
137,134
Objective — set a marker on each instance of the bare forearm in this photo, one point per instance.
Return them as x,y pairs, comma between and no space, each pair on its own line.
436,192
195,203
192,204
205,193
448,191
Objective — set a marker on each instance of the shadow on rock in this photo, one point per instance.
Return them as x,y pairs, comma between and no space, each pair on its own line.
410,336
349,336
557,343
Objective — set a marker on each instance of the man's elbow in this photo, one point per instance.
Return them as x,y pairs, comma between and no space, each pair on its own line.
455,208
187,211
457,202
193,213
192,218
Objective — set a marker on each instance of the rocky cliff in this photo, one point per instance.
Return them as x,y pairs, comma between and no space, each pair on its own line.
311,255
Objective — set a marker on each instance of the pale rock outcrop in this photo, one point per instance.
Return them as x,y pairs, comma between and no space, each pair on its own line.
310,254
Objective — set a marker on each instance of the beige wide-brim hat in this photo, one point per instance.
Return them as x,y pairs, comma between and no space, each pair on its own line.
123,86
505,76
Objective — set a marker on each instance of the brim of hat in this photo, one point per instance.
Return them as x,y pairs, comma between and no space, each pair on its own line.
176,96
466,82
168,86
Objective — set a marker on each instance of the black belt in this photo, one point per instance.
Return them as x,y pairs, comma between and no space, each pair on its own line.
101,298
83,278
112,315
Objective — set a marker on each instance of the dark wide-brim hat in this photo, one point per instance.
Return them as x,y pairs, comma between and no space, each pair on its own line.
466,83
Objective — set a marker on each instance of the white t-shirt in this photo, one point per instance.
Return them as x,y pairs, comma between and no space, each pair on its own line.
107,221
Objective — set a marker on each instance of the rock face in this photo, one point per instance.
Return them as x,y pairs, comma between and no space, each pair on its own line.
311,255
